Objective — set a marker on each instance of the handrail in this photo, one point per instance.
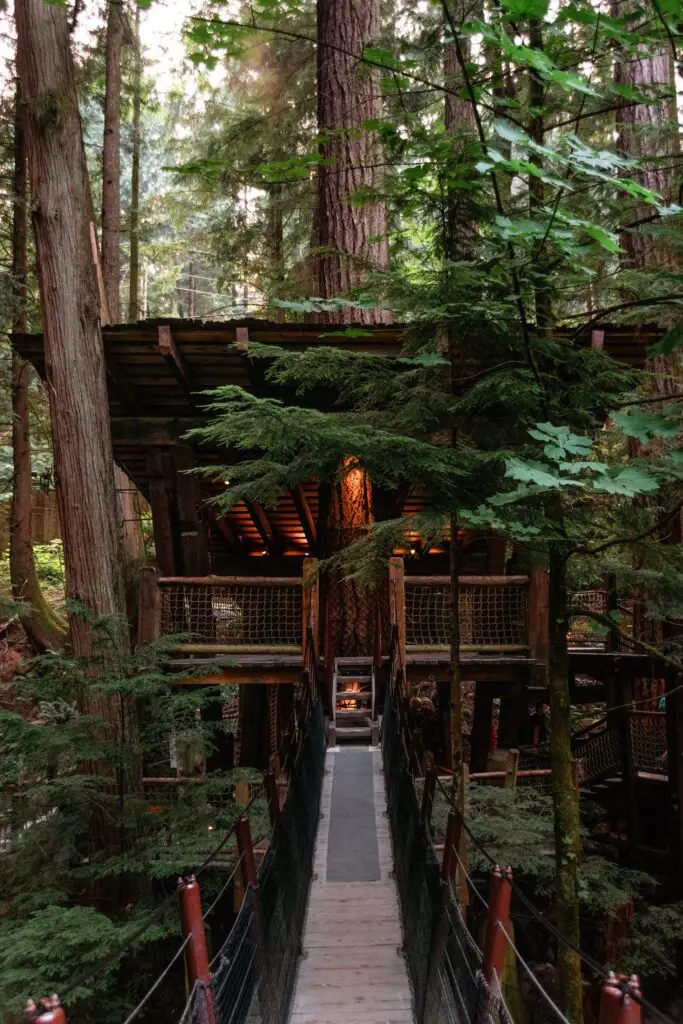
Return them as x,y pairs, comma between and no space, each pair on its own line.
230,581
489,581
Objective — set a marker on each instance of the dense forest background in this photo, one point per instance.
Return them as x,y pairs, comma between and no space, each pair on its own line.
500,177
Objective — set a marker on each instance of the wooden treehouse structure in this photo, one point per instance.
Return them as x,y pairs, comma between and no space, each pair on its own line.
242,587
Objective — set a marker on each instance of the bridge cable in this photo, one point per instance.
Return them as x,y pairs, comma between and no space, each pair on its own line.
590,961
154,917
150,992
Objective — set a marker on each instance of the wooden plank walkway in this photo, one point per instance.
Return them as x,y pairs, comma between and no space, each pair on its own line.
353,970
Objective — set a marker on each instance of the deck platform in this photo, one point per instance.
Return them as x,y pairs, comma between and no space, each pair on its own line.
353,970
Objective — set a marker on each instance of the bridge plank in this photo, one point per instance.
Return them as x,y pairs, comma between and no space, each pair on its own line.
353,971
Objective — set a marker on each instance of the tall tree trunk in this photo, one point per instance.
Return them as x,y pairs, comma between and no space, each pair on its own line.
459,233
74,356
351,239
134,222
130,528
566,815
111,161
641,133
45,629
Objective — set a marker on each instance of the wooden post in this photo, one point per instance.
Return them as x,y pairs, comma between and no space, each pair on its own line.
149,617
630,778
511,769
429,787
310,609
161,513
481,726
497,920
612,607
242,793
449,864
397,604
539,635
618,1006
245,850
192,540
464,847
196,952
273,797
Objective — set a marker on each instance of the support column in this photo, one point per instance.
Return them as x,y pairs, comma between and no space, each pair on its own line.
511,716
193,542
254,745
162,520
481,727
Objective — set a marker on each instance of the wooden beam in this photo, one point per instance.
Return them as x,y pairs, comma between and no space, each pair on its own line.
229,531
264,527
303,510
175,359
240,677
161,513
149,613
192,539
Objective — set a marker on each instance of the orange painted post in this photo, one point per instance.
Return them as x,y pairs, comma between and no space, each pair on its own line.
618,1000
48,1011
497,920
428,796
196,953
273,797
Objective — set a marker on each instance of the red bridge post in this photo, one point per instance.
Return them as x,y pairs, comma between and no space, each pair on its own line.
196,952
497,922
52,1012
618,1002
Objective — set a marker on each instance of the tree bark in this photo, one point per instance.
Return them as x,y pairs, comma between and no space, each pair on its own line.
111,161
130,529
565,795
134,221
351,240
44,628
74,356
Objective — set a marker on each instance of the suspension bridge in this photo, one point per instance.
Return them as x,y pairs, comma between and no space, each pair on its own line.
351,917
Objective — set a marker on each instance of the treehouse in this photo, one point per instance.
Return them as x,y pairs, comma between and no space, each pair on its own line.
242,589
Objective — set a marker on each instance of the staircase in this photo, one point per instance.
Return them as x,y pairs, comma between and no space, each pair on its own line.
353,711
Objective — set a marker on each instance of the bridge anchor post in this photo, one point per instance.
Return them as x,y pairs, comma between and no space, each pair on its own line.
497,923
619,1000
196,952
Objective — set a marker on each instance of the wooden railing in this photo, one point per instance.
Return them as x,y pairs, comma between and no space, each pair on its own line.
231,614
494,612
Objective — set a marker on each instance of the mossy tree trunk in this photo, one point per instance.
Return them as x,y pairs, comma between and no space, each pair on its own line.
44,628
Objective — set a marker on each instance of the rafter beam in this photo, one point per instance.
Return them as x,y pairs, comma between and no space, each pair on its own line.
303,510
264,527
176,361
229,531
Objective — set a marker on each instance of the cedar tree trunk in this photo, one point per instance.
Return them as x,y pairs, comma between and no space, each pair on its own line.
44,628
351,240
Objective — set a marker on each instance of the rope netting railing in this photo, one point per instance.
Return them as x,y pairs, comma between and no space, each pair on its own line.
599,753
585,631
648,741
494,613
233,612
254,972
444,961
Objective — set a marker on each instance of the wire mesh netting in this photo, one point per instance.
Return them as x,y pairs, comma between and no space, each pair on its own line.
584,631
599,753
444,961
235,614
648,740
254,971
493,616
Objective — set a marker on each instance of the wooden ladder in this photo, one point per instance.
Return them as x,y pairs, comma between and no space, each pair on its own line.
353,712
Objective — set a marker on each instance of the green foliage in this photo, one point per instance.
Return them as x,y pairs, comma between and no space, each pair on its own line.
68,901
49,559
